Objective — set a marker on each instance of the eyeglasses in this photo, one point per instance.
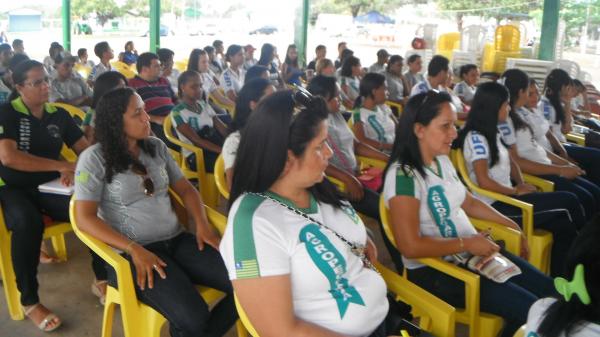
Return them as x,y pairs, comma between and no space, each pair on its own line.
38,83
147,183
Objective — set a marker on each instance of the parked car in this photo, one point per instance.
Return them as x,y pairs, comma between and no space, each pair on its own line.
163,31
266,30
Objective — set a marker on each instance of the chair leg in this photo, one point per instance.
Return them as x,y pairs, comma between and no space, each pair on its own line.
241,330
107,320
155,322
60,248
9,282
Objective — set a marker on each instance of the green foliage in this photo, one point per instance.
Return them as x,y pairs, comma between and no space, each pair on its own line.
575,14
488,8
356,7
104,9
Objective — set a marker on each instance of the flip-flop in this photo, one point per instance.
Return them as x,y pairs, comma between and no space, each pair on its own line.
97,291
46,258
43,325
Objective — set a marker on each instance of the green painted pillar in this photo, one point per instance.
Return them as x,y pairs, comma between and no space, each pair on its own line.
66,24
549,30
154,25
301,31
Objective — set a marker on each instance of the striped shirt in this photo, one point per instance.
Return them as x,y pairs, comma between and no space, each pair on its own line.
158,96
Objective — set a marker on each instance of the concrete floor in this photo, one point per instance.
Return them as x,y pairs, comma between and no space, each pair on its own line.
65,289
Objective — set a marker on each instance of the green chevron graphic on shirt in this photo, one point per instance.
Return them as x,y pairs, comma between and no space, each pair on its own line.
351,213
378,128
244,250
440,211
331,263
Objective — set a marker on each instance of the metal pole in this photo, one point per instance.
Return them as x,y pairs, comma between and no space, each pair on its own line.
549,29
154,25
66,24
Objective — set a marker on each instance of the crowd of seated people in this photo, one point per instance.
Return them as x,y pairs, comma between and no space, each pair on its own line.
283,146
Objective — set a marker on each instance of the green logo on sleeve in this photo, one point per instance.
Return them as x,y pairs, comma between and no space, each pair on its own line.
82,177
331,263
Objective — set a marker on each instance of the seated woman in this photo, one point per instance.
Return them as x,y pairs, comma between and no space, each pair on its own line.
129,170
532,158
247,100
349,79
489,166
429,207
196,122
232,78
104,83
285,221
374,122
198,61
31,138
555,106
465,89
290,70
575,312
130,55
396,83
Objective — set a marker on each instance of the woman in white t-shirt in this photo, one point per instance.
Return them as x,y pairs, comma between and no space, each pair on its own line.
198,61
429,206
374,122
533,158
489,165
465,89
247,100
555,106
349,79
576,312
288,241
232,78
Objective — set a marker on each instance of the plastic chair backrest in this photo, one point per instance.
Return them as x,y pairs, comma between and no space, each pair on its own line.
124,69
507,38
448,41
74,111
472,38
221,178
83,70
571,67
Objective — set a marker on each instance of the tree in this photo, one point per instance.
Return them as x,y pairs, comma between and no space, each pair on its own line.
104,9
486,8
355,7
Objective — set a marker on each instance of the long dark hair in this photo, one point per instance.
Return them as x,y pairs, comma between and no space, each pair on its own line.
483,116
555,81
252,90
110,135
422,109
371,81
349,62
324,86
266,55
288,60
106,82
183,78
19,75
194,58
567,316
516,80
262,155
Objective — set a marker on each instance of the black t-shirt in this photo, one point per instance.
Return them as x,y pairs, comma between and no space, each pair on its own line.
312,65
39,137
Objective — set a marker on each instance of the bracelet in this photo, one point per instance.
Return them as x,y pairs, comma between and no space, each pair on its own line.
129,246
462,243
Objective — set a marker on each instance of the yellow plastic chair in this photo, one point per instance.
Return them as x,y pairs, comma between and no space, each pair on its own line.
221,178
83,70
436,316
54,231
181,65
138,318
206,181
576,138
480,324
540,241
75,112
521,331
489,55
395,105
229,108
507,38
446,43
124,69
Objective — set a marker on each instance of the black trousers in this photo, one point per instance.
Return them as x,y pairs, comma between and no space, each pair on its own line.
23,209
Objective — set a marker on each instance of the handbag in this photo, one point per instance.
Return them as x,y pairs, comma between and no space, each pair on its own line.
371,178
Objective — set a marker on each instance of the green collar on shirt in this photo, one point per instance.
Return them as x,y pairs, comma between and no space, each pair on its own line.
439,168
20,106
312,209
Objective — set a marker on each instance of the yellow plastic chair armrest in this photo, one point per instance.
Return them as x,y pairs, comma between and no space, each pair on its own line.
371,162
396,105
167,128
441,313
511,237
576,138
220,178
340,185
542,184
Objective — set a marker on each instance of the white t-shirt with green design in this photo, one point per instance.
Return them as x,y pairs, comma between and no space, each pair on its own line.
378,124
182,113
330,286
441,195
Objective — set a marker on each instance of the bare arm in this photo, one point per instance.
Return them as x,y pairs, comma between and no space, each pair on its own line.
365,150
229,177
222,99
486,182
220,126
267,302
198,141
354,188
476,208
359,132
532,167
12,157
80,145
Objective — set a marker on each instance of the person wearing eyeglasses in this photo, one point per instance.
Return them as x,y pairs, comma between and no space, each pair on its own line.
32,134
429,208
122,198
297,254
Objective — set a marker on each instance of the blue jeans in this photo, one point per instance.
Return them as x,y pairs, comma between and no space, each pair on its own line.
586,191
589,160
552,212
176,297
510,300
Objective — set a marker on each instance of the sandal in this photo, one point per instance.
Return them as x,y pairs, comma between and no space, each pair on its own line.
45,257
43,325
97,290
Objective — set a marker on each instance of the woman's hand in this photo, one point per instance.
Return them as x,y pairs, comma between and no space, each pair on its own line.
146,263
570,172
524,188
354,189
524,247
480,245
67,178
371,251
205,235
